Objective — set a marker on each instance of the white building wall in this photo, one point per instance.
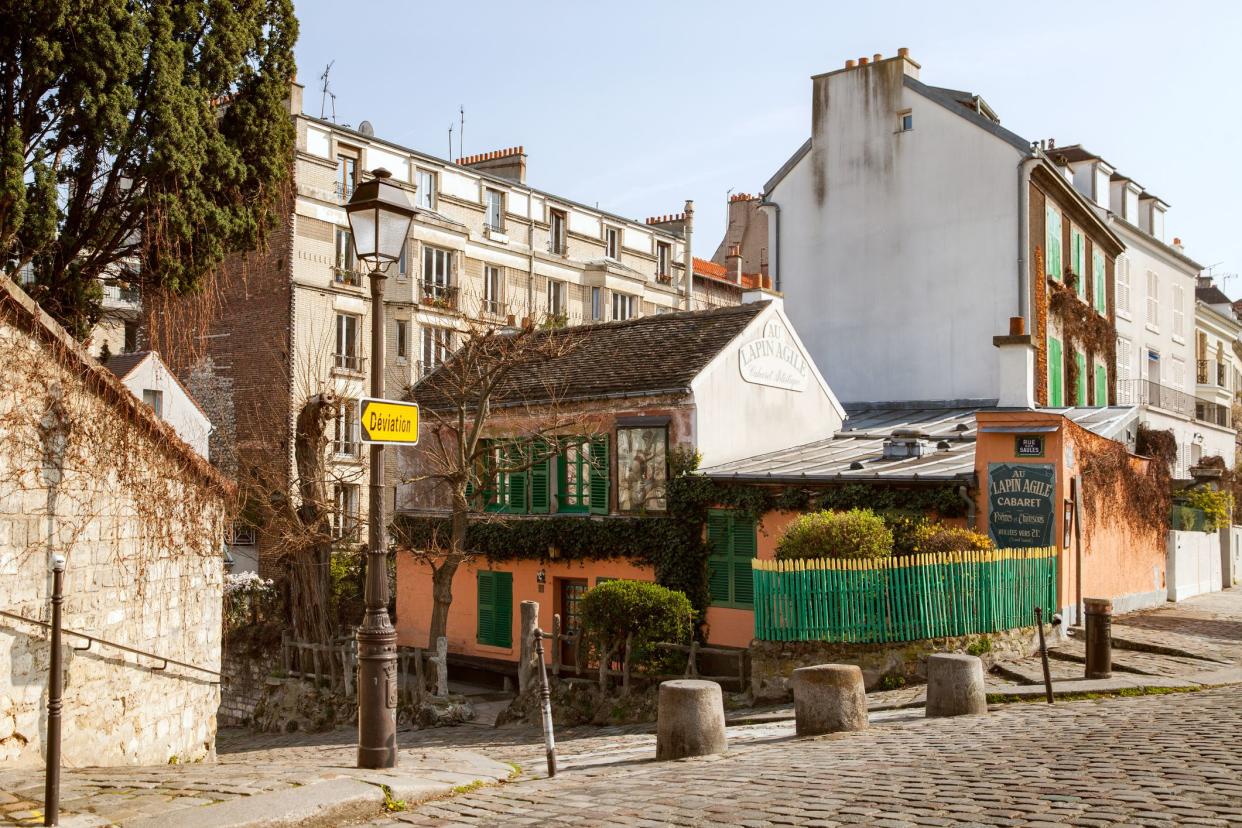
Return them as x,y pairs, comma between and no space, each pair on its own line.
177,408
886,236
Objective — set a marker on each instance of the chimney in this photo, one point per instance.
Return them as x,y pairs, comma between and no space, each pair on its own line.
506,163
733,261
687,232
1177,244
908,64
1017,366
295,98
672,222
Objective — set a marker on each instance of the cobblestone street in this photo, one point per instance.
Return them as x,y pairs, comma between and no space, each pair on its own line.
1155,760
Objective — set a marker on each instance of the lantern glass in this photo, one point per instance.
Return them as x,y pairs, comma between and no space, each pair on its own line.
362,224
379,216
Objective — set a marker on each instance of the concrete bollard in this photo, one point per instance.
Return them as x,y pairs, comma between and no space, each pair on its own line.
689,719
829,698
955,685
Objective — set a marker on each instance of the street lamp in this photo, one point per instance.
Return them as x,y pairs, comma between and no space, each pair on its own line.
379,217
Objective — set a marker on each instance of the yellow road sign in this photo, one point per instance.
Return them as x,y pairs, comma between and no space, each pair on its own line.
389,421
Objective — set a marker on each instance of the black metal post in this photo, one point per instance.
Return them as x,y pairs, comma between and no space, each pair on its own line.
1099,634
377,640
55,689
1043,652
545,704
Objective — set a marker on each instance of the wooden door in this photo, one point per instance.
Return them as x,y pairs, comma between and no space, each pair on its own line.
570,592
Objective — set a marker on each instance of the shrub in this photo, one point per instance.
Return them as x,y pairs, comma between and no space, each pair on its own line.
614,610
858,533
938,538
248,600
905,527
1214,504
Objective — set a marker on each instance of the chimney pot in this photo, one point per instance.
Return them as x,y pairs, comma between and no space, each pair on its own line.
903,52
862,61
1017,325
849,64
877,57
1177,242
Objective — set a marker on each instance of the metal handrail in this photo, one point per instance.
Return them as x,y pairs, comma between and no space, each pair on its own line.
90,639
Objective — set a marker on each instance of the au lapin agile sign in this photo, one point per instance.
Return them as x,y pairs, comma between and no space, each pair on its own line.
1022,504
389,421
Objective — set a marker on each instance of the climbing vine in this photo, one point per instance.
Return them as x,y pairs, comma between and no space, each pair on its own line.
1116,492
1082,328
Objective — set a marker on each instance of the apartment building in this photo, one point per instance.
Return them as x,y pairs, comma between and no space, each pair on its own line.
1163,364
484,247
911,227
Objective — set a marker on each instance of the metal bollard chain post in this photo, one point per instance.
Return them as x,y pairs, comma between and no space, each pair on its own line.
545,704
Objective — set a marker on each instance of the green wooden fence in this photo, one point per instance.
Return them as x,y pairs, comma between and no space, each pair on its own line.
902,599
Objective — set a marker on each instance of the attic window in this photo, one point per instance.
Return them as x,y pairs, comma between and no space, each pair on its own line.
905,121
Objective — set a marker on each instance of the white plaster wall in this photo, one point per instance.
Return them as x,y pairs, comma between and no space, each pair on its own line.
898,250
1193,564
735,419
179,411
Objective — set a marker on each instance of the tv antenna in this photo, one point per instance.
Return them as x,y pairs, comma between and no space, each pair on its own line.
327,93
461,134
450,155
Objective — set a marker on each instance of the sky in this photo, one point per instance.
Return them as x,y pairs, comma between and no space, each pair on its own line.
638,106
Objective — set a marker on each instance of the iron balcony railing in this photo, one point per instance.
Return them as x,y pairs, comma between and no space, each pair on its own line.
346,276
349,362
120,296
1146,392
439,295
1210,372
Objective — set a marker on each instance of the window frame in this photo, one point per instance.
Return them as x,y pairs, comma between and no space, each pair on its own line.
664,259
153,398
1152,317
558,227
1099,280
597,304
612,242
424,198
348,331
622,306
556,291
493,289
905,120
494,209
436,347
1056,373
346,174
402,333
1054,266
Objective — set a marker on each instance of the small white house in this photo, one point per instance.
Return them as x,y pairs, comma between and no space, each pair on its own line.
148,379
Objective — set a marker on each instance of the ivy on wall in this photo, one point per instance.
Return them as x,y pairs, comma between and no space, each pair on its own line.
1082,329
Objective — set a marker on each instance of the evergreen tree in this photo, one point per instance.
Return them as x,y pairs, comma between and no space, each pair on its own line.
139,139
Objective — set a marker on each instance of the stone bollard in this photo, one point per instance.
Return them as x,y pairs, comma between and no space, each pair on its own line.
955,685
690,719
829,698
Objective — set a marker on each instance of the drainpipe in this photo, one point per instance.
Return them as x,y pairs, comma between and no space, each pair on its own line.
530,246
1024,236
964,493
689,254
773,212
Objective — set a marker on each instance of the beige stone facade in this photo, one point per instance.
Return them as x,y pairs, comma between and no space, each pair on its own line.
139,517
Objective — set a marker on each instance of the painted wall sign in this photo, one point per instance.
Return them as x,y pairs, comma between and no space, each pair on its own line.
1022,504
1029,445
774,360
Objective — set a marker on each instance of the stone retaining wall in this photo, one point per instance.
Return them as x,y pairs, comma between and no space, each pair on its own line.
245,678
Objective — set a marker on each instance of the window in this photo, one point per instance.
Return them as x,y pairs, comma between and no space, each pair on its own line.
622,306
556,230
495,613
1056,374
731,536
1084,379
155,399
597,304
402,335
642,468
438,287
437,345
1122,299
493,284
345,511
573,474
663,253
494,204
130,343
1099,274
1101,385
344,272
240,534
403,267
1179,315
582,476
346,176
346,357
345,437
905,121
425,194
556,298
1153,299
1052,244
612,242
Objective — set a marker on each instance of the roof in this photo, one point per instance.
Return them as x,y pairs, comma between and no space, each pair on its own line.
962,103
124,364
1212,295
861,440
720,273
647,355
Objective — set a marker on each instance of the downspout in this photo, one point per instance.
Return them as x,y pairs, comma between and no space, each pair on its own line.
689,254
1024,237
773,211
530,246
964,493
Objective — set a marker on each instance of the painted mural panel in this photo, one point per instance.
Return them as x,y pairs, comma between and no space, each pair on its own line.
642,469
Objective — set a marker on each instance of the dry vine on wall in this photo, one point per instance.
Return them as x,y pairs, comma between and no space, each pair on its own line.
1117,493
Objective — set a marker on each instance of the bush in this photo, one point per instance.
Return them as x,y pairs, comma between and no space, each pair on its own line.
858,533
1214,504
614,610
248,600
905,527
938,538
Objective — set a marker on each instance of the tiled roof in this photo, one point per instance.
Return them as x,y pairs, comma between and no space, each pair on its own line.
1212,295
651,354
720,273
122,364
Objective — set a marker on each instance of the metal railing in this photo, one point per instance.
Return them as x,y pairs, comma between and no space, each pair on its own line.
1146,392
119,296
349,362
343,191
439,296
346,276
1210,372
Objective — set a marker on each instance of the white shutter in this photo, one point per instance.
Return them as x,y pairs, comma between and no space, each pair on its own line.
1153,298
1123,359
1178,315
1123,283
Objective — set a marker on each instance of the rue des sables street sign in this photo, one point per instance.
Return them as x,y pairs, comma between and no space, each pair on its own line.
389,421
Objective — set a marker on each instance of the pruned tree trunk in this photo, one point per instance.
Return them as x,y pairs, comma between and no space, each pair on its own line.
310,557
442,575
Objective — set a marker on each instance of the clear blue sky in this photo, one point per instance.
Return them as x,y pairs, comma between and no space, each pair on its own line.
640,105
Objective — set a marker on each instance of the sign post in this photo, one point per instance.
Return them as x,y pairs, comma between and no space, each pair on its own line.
389,422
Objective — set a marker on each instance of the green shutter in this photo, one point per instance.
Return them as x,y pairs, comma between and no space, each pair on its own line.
718,540
744,547
731,537
1056,373
541,485
1081,391
1099,275
502,626
599,474
1052,243
1078,252
516,481
486,615
1101,385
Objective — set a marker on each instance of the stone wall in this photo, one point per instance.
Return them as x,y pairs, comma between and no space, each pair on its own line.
773,662
139,518
246,676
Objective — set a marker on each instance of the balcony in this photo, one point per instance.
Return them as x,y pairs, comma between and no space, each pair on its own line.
343,191
1212,413
346,276
122,298
440,296
349,363
1210,372
1155,395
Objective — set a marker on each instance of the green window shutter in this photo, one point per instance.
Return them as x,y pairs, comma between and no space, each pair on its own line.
1078,252
599,474
541,485
719,540
1052,241
1081,391
1099,276
1056,373
486,615
515,481
744,547
502,627
1101,386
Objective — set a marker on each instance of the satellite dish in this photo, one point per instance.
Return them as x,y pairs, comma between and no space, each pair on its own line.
366,129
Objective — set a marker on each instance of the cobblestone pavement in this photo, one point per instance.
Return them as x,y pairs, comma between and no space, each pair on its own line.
1151,761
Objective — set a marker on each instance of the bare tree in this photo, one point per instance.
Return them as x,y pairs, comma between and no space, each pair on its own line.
498,381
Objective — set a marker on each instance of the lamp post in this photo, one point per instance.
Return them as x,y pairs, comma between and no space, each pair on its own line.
379,217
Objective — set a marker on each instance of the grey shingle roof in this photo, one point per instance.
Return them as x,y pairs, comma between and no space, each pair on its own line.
659,353
122,364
